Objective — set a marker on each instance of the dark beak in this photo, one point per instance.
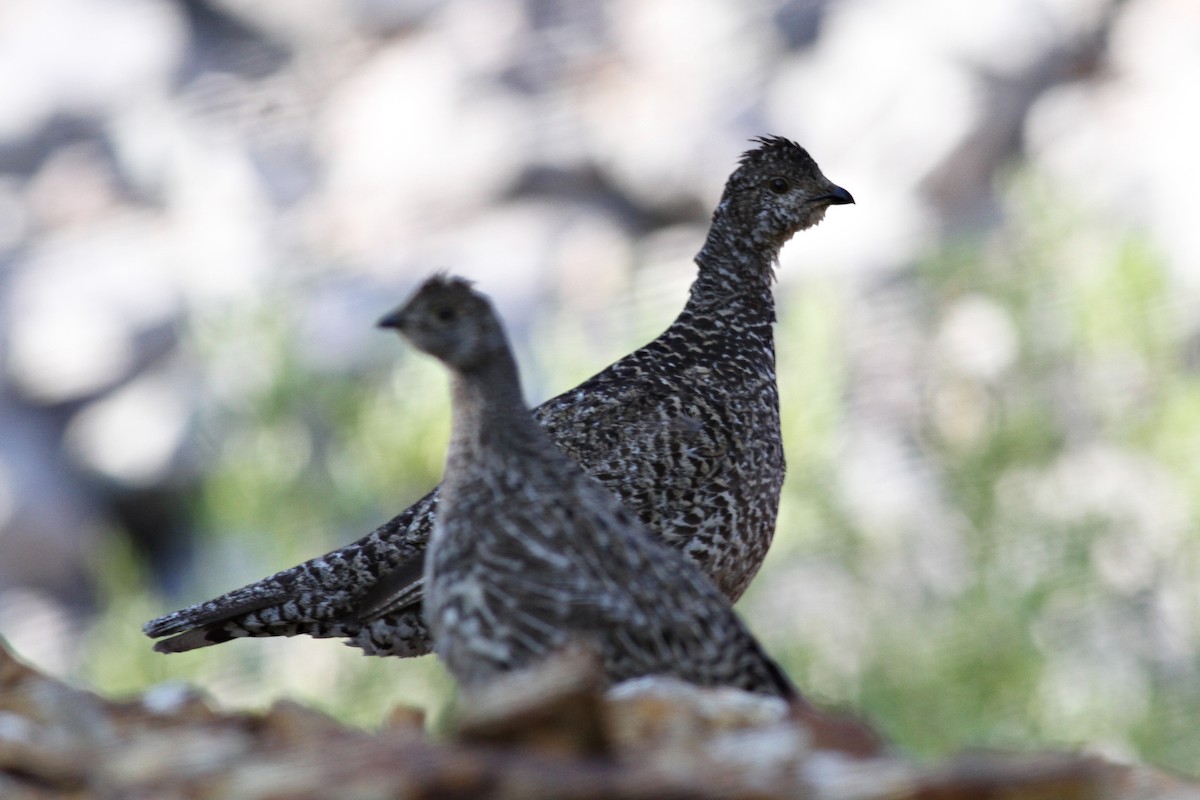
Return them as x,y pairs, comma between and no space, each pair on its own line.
839,197
392,320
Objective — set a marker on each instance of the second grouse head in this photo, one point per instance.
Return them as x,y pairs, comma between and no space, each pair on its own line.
450,321
776,191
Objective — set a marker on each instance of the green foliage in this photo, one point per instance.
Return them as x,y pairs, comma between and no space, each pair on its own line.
1061,609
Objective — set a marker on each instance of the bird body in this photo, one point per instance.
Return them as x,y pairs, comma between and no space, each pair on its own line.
529,554
684,430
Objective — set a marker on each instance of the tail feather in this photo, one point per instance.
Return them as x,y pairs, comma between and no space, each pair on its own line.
213,612
195,639
322,597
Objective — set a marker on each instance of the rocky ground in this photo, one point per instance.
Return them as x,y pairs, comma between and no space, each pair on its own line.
549,734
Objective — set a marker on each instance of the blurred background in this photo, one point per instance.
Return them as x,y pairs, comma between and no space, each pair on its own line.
990,366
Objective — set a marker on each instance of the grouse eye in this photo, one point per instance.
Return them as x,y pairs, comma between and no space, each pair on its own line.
445,314
779,185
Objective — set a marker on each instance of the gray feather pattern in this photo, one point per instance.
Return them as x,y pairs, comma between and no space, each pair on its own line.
684,430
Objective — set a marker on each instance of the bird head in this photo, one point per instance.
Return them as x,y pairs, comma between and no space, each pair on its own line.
450,321
776,191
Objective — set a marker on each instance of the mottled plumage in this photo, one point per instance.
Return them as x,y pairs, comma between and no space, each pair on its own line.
685,430
529,554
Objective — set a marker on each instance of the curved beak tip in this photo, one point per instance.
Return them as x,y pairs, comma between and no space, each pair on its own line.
840,197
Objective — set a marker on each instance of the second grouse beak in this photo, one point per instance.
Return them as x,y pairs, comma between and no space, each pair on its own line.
838,197
393,320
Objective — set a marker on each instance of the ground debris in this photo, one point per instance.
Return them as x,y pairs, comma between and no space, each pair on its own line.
551,733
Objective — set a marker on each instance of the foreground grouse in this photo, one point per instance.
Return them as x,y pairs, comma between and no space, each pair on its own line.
529,554
685,431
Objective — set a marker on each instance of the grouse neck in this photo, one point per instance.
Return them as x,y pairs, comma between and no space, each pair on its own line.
487,408
734,268
741,293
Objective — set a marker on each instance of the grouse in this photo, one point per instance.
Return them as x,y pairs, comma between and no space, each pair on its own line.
685,431
529,554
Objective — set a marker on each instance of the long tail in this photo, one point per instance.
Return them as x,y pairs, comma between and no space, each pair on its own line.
339,594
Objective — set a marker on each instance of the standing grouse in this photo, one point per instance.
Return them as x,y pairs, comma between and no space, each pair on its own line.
530,554
685,430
